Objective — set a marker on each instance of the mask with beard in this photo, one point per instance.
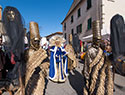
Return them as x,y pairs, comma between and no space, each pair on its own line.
11,15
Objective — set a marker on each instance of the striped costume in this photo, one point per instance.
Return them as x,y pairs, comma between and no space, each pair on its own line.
97,74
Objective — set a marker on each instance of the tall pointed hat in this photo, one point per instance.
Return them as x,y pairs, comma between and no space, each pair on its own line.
34,30
96,31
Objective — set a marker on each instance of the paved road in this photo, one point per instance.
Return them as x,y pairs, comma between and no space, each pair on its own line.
119,85
74,84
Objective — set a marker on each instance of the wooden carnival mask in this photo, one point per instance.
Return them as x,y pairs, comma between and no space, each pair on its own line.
11,15
35,43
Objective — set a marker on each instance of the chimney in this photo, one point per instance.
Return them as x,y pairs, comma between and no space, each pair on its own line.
0,12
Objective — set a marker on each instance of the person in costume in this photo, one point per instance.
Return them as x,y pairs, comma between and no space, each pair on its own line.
44,43
13,30
37,64
72,61
76,44
117,38
13,34
96,71
2,59
58,60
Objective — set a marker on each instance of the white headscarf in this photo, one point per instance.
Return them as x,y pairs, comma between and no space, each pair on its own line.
44,43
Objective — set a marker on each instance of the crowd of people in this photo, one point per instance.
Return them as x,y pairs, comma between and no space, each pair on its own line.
30,60
25,61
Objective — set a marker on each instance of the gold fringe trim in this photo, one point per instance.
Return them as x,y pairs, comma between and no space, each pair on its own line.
34,56
85,91
45,68
34,61
101,88
18,92
95,74
110,80
71,55
40,86
70,64
95,61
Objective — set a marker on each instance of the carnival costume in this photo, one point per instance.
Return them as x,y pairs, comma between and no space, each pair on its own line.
117,38
13,32
58,60
96,71
37,64
72,61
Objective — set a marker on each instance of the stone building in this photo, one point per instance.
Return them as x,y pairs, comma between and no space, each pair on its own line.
82,13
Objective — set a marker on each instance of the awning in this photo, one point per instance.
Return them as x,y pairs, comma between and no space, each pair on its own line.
89,37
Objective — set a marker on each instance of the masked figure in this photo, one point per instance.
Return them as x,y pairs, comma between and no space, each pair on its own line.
36,64
96,71
76,43
13,31
58,60
117,37
72,61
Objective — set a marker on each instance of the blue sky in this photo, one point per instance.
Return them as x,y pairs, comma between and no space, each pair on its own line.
47,13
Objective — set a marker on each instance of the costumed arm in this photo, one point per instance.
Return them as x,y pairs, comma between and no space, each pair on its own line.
64,51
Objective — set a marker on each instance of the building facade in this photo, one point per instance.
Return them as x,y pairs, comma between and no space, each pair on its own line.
83,12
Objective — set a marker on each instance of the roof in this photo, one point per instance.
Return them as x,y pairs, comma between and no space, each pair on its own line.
0,7
73,6
60,33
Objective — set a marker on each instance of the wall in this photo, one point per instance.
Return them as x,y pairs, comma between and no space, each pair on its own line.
85,15
109,10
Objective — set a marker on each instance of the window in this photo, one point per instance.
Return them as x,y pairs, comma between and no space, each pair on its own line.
72,32
72,19
64,26
65,35
89,4
89,24
79,12
79,29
